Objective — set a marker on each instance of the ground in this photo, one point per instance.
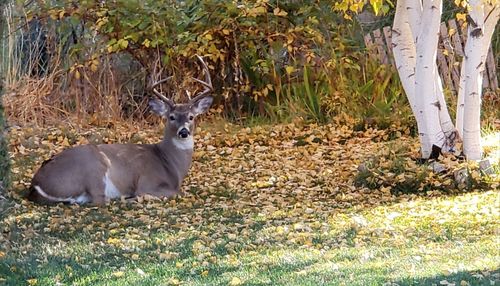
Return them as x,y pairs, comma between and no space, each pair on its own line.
283,205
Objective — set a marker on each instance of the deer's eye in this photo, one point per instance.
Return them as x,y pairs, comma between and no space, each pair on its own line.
171,117
191,117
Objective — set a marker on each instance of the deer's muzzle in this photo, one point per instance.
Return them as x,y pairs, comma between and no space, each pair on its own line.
183,133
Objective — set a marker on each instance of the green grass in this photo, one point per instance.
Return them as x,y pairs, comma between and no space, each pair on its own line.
258,216
401,243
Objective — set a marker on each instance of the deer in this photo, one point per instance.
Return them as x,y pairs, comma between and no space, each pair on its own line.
97,174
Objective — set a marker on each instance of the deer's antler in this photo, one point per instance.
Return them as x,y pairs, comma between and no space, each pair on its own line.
159,94
207,83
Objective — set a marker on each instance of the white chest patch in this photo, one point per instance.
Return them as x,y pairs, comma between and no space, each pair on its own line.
82,199
184,144
110,190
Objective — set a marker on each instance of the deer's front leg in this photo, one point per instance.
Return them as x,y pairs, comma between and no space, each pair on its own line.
148,186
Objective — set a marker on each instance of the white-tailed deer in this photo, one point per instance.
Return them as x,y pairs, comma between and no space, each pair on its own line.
99,173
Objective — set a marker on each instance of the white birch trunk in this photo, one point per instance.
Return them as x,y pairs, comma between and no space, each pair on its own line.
493,13
414,8
426,100
404,49
409,38
460,101
445,121
476,48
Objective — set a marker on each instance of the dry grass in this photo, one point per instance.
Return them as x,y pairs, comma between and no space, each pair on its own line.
32,100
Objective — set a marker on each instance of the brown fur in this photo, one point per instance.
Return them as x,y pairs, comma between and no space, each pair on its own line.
134,170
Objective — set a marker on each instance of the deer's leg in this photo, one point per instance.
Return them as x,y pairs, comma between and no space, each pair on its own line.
96,191
147,186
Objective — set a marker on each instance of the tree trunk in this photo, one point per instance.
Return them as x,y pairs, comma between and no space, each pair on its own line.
404,49
426,101
4,157
415,50
484,18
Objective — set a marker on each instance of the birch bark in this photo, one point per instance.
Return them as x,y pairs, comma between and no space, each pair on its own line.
411,37
480,30
426,101
404,49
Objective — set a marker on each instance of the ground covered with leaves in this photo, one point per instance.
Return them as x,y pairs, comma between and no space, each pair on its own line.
283,205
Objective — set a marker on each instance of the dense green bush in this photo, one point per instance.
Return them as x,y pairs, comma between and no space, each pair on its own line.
277,59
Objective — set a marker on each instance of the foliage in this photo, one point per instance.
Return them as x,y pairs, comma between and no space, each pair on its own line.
288,214
267,58
165,35
399,173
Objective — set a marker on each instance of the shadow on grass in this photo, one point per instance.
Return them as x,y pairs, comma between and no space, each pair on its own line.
478,277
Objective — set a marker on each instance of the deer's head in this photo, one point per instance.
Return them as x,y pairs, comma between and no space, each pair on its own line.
180,118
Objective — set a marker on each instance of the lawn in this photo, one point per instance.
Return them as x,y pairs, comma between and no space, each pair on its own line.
281,205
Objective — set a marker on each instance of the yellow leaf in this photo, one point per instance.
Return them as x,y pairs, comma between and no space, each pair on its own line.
54,15
146,43
77,75
354,8
226,32
258,10
445,52
451,32
118,274
289,69
174,281
461,17
235,281
179,264
135,256
2,254
32,281
278,12
113,240
123,43
65,142
204,273
209,37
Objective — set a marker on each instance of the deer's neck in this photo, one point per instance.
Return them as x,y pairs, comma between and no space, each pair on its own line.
177,154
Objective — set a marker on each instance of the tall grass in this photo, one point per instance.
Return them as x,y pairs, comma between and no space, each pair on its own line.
53,75
346,87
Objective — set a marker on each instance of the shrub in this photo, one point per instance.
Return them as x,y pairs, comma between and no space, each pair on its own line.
276,59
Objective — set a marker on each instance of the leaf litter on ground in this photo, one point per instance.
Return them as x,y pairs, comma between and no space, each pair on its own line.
317,199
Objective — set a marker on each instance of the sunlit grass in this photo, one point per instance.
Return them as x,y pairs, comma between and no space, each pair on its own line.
449,238
288,225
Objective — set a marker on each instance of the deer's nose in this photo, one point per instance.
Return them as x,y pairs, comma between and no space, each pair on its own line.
183,133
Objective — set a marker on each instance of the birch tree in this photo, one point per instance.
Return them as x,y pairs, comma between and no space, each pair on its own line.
415,35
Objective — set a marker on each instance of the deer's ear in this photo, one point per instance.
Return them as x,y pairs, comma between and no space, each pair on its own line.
202,105
159,107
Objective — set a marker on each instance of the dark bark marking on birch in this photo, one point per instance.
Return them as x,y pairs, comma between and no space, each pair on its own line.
437,104
477,32
436,151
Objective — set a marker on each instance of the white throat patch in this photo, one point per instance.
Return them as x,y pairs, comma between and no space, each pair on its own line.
183,144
